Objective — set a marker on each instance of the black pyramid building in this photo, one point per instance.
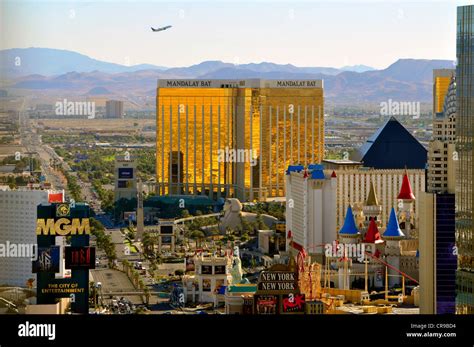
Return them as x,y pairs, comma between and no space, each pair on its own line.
392,147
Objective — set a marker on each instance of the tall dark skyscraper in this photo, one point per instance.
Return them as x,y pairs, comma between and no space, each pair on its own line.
465,168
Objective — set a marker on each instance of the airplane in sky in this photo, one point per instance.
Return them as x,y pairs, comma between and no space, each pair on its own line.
162,28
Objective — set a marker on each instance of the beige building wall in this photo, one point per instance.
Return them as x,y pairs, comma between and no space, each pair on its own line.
427,253
441,150
58,308
441,166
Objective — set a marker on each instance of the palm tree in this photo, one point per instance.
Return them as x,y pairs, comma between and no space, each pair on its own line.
198,235
126,266
146,291
149,242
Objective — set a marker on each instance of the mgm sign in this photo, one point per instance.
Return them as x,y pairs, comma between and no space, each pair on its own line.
63,226
64,220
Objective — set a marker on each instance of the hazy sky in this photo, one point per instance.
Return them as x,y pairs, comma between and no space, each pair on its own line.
304,33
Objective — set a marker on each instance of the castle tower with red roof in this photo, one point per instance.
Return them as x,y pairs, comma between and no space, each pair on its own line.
406,198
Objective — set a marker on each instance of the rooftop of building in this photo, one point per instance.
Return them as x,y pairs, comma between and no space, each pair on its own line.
191,200
406,193
313,171
349,227
342,161
392,146
372,198
239,83
393,228
242,288
372,235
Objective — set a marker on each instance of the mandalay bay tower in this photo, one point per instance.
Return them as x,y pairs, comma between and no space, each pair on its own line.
235,138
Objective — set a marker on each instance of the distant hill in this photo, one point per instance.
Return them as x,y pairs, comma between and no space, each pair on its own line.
98,91
404,80
48,61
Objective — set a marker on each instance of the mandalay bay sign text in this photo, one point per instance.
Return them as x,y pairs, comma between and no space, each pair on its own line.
62,226
233,83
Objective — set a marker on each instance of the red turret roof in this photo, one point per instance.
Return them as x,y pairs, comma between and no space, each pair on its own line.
372,233
405,192
333,174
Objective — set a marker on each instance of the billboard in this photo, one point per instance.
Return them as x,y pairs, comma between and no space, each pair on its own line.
62,226
293,303
125,173
124,184
278,282
166,240
166,229
48,260
62,288
63,219
206,284
56,197
80,257
130,216
219,269
266,304
206,269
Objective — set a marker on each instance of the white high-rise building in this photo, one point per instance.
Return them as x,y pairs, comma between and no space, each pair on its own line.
310,208
18,226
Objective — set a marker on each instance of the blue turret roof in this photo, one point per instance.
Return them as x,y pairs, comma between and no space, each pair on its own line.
315,167
294,168
393,228
349,227
317,174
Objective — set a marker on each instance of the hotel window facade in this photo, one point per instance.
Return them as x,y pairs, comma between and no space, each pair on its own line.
231,138
465,165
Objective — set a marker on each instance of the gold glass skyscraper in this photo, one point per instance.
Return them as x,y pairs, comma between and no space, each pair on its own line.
465,165
441,81
235,138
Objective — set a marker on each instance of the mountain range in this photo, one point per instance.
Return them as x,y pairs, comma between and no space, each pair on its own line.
46,61
56,72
